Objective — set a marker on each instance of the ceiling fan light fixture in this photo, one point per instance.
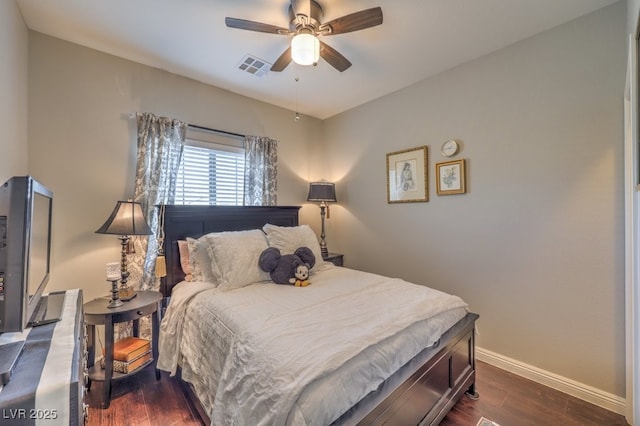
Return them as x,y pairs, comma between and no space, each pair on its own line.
305,49
306,24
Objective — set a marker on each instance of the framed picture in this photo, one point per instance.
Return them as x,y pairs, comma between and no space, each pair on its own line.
450,178
407,180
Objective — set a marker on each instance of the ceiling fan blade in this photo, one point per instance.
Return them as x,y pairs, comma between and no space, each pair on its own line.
333,57
356,21
281,63
244,24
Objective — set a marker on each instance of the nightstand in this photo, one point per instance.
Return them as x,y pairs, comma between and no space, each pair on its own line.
96,313
335,258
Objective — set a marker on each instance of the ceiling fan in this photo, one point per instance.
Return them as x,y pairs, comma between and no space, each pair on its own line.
306,26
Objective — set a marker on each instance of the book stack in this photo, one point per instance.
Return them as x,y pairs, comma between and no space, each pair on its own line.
130,354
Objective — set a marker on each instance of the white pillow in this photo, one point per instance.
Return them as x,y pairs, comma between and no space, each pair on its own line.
200,261
236,255
288,238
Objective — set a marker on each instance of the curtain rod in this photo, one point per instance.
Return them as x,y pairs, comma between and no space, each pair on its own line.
206,129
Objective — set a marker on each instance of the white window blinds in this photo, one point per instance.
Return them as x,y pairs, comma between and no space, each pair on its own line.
210,174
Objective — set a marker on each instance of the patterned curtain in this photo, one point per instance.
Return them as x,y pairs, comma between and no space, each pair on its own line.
160,146
261,170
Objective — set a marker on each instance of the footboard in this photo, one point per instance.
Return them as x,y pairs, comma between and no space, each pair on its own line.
442,375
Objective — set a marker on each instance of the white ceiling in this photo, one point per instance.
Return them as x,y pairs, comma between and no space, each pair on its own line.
418,39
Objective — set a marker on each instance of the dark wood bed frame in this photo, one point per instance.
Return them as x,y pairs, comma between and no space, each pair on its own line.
421,392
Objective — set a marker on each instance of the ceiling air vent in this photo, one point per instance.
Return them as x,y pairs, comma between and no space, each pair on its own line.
253,65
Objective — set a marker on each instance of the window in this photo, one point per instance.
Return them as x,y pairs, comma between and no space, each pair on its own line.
210,174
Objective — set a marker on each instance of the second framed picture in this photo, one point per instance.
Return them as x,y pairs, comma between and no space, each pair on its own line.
450,178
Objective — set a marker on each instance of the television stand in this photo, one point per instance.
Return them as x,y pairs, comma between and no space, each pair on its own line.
49,309
9,354
47,383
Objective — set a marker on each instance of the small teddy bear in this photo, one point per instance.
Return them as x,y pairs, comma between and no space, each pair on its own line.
289,268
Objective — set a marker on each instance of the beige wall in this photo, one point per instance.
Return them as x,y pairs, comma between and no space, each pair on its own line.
536,246
14,39
82,143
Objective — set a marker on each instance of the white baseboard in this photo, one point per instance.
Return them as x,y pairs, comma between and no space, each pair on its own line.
571,387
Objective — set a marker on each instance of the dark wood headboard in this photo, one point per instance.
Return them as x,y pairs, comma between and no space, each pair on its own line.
181,222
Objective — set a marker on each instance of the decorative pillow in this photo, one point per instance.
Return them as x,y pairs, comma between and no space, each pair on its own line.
288,238
200,261
288,268
236,255
183,249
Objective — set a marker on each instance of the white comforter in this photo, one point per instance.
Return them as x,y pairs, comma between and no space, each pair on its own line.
270,354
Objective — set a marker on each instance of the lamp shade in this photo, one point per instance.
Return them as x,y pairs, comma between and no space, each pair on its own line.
322,192
305,49
126,219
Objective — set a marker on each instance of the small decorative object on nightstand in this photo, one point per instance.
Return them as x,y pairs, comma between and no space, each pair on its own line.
323,193
126,219
113,276
335,258
96,312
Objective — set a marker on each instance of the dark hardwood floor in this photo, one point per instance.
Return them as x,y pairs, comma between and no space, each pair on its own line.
141,400
505,398
508,399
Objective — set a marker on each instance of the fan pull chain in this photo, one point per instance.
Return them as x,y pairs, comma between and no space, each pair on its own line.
297,117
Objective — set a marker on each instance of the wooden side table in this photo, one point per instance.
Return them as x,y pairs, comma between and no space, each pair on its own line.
335,258
97,313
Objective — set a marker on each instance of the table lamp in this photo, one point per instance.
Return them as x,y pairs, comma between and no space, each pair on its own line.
125,220
323,193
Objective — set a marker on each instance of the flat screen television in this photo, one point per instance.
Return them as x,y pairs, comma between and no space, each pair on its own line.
26,208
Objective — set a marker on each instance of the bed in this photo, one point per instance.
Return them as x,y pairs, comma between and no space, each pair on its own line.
416,384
